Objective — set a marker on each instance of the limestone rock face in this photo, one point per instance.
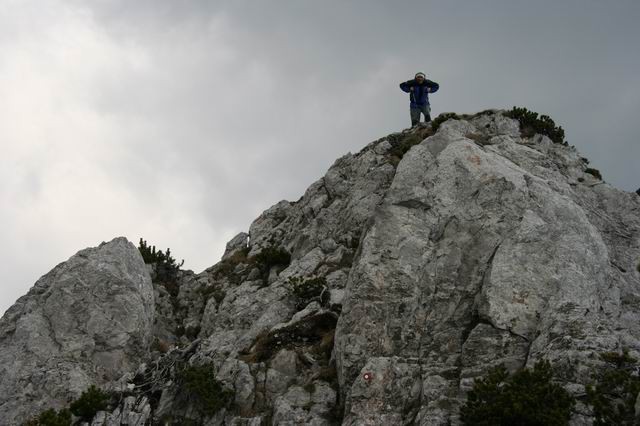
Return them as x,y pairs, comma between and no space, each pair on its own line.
411,268
86,322
480,254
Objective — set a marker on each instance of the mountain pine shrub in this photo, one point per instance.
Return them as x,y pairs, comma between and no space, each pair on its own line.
526,398
90,402
530,124
594,172
614,394
272,256
198,384
166,267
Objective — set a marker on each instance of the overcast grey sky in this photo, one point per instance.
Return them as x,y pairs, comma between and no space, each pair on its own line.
181,121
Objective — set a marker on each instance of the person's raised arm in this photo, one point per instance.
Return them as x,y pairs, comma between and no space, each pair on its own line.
433,86
406,86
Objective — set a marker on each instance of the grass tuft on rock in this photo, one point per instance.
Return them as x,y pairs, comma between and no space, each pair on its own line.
401,143
435,124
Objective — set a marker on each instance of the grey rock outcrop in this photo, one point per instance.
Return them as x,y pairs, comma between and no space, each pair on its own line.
416,265
483,253
86,322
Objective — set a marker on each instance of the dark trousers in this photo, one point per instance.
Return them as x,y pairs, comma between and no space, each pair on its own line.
415,114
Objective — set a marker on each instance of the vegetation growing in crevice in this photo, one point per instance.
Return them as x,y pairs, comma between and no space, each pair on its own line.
165,266
90,402
173,419
51,417
311,331
272,256
198,384
528,397
614,394
85,407
530,124
401,143
160,345
328,374
435,124
214,291
308,290
268,258
479,138
353,241
594,172
226,267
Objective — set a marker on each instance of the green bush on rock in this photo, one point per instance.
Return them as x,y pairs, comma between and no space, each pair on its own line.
198,384
166,266
530,124
615,392
594,172
272,256
90,402
528,397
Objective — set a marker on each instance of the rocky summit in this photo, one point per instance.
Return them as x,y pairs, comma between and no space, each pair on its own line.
408,271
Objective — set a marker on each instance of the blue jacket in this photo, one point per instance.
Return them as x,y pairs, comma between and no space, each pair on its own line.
419,97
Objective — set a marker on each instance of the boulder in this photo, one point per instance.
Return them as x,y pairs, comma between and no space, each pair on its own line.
88,321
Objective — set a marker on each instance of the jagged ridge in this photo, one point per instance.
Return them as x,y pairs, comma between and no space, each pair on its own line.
442,251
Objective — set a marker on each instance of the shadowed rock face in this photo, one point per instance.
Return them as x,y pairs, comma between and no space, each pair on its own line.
475,248
87,321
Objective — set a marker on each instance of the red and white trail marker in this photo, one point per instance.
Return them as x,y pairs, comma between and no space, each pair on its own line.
367,377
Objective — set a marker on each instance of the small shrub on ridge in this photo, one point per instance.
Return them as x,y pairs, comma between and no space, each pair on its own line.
435,124
530,124
594,172
166,266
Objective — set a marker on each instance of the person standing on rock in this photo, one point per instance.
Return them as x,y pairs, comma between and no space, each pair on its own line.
418,90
